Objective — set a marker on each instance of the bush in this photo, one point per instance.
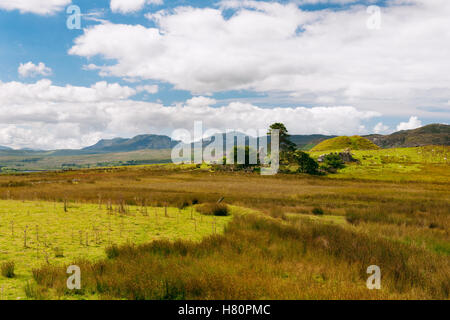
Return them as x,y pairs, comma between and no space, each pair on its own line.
317,211
32,291
333,161
59,252
306,164
112,251
214,209
7,269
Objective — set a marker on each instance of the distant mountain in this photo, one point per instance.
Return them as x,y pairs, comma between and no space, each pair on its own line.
141,142
433,134
306,142
5,148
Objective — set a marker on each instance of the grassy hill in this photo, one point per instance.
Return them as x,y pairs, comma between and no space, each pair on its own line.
433,134
306,142
353,143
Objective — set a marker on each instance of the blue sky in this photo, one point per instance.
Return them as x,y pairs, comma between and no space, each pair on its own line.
315,65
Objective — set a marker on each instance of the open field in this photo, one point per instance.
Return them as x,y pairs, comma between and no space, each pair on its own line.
301,237
54,236
428,163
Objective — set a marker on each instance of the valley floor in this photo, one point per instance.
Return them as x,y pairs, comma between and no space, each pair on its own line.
300,237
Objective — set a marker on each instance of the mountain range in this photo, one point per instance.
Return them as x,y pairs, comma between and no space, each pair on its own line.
434,134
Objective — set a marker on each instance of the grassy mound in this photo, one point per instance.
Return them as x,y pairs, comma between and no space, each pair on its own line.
354,143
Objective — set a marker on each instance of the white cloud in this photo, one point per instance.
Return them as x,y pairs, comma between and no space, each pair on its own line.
273,47
380,128
40,7
128,6
29,69
42,115
18,93
413,123
152,89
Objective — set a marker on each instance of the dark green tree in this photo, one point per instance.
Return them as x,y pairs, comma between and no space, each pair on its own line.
286,145
305,163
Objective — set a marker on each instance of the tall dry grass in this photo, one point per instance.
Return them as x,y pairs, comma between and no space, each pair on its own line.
262,258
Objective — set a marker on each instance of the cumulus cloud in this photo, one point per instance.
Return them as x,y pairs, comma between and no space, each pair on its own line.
274,47
127,6
152,89
42,115
40,7
29,69
413,123
380,128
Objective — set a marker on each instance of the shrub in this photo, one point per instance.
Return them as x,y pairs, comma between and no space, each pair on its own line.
32,291
333,161
306,164
59,252
214,209
112,251
317,211
7,269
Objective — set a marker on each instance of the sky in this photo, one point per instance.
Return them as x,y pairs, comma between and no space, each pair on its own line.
130,67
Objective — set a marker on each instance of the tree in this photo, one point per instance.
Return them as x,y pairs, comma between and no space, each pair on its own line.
305,163
286,145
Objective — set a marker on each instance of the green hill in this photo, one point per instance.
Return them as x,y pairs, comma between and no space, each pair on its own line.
353,143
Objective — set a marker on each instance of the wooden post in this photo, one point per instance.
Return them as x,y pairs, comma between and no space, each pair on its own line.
25,237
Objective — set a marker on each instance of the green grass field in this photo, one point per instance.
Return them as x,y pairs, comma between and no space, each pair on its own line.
291,236
428,163
83,233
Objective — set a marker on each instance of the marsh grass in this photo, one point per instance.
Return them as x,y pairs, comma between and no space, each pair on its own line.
7,269
390,211
263,258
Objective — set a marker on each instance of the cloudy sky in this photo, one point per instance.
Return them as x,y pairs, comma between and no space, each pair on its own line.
153,66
